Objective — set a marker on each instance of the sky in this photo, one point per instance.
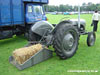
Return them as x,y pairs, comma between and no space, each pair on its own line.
71,2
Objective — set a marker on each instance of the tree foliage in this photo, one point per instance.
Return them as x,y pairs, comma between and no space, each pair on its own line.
63,8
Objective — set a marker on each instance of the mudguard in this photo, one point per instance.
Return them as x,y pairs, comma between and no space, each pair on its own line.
41,27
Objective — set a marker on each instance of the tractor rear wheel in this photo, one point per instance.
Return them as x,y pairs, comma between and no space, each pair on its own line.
66,41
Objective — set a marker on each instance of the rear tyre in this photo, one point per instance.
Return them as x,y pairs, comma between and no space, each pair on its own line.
26,35
91,39
66,41
18,33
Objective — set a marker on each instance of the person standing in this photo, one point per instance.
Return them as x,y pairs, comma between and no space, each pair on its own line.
95,18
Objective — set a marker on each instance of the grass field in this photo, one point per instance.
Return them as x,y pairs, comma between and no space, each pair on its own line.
86,58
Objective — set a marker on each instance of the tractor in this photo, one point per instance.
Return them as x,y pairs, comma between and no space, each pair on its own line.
64,36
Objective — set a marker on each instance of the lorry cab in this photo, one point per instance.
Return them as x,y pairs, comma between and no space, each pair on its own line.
17,16
34,13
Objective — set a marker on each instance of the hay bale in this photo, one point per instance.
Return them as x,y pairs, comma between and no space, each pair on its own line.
22,54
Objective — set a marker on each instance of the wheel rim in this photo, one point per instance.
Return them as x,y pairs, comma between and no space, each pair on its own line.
92,40
69,42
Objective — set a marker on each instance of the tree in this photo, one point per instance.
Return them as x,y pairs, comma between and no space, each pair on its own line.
63,8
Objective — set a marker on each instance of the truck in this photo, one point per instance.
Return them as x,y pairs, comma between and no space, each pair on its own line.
17,16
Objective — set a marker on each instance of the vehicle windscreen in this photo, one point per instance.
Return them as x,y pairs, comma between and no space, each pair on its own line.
38,9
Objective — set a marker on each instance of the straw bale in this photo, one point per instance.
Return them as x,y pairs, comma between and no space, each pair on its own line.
23,54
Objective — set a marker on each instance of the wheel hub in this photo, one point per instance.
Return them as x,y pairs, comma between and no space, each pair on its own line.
92,39
68,41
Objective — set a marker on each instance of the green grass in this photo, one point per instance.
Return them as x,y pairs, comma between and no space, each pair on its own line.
86,58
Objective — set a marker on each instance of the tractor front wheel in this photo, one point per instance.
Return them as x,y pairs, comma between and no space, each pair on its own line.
91,39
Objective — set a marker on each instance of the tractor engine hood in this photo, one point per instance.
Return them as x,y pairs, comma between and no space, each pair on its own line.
75,21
